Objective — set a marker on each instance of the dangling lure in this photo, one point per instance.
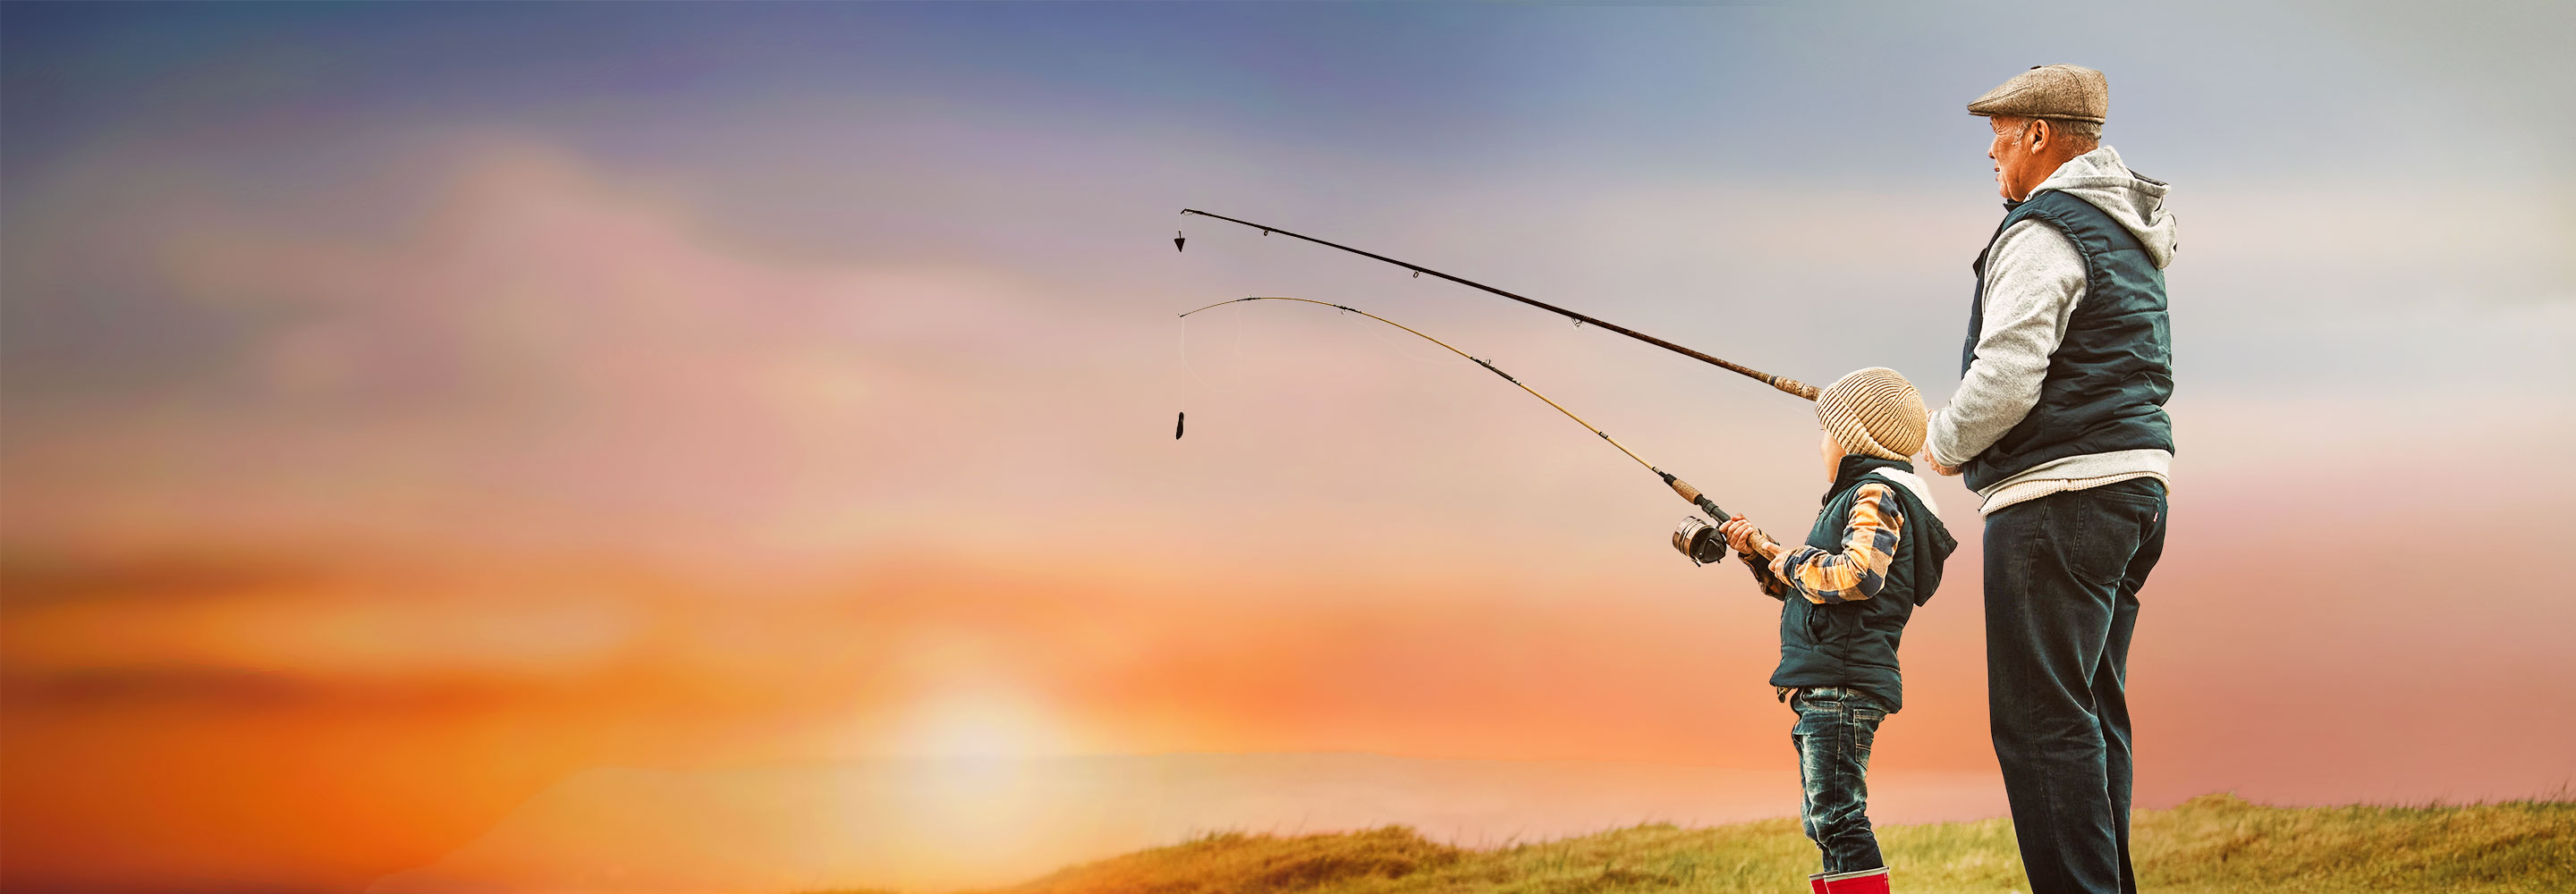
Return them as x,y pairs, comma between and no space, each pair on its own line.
1694,539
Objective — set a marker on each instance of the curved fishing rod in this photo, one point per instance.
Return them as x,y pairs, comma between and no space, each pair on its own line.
1684,488
1783,383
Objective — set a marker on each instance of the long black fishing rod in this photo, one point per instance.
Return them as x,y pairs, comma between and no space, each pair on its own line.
1783,383
1693,541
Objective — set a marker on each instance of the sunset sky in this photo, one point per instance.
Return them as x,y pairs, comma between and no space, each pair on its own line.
405,409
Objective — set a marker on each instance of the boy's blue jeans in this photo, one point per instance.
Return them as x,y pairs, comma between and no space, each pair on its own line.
1835,726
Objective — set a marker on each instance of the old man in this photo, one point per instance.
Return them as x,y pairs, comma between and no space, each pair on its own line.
2059,424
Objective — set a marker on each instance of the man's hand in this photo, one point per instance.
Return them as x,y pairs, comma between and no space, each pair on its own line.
1743,536
1936,464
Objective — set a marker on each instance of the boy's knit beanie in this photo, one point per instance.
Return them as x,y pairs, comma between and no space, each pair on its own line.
1874,411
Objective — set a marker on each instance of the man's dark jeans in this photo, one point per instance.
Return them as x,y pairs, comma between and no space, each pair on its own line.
2062,579
1835,726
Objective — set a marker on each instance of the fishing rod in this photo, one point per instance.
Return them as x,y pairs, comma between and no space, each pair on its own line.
1695,539
1783,383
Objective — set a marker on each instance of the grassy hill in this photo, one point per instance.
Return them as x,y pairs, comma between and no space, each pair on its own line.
2214,843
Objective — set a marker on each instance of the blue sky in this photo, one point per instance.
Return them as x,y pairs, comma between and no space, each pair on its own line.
892,130
1385,79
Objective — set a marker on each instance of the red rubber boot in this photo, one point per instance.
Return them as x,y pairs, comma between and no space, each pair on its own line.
1866,881
1816,883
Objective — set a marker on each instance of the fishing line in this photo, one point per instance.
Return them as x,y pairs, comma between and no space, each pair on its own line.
1194,379
1228,344
1181,423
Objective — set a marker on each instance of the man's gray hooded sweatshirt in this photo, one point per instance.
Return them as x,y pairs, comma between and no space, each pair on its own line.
2039,412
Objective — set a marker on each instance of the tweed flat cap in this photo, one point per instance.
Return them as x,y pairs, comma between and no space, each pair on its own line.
2066,92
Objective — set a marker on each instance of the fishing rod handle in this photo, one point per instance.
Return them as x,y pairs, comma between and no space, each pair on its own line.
1694,496
1710,506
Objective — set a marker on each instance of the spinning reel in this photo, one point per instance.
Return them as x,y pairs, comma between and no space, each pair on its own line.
1700,541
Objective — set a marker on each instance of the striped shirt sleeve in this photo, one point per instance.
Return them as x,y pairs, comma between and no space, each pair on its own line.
1859,571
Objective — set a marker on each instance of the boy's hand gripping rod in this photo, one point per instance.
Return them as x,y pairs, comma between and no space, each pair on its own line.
1679,486
1783,383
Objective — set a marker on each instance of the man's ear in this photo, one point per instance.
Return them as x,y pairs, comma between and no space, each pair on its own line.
2043,135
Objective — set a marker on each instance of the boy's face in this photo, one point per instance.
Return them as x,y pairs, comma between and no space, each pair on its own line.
1833,452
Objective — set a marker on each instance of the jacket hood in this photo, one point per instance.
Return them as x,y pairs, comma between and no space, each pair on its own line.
2099,178
1912,482
1849,470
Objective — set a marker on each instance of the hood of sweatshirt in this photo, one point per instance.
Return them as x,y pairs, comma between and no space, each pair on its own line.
2136,202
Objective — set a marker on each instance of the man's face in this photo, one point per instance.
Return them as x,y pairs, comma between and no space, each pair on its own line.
2015,163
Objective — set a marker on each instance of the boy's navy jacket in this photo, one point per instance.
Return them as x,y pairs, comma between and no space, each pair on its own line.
1853,644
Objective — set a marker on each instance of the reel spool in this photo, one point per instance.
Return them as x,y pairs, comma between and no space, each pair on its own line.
1700,541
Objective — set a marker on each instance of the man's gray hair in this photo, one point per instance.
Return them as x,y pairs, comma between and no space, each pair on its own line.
2084,134
2087,134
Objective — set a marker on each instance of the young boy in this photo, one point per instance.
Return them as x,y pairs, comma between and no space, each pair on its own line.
1874,554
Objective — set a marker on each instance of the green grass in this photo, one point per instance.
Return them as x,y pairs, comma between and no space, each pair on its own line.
2214,843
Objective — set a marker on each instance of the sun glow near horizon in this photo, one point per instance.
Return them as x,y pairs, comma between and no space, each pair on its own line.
981,721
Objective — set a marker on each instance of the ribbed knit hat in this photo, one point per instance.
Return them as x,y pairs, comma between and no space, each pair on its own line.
1874,411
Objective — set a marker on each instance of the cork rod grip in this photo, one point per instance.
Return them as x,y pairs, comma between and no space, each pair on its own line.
1684,488
1693,495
